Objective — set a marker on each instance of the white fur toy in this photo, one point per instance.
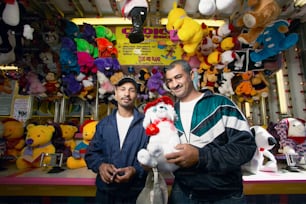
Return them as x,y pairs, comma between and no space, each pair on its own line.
264,142
159,125
223,7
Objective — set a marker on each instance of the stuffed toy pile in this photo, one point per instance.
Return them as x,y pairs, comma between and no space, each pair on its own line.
159,124
264,142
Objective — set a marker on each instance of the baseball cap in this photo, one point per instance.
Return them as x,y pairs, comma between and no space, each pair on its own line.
126,80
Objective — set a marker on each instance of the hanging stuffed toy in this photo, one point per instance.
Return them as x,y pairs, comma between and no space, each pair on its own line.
137,10
12,18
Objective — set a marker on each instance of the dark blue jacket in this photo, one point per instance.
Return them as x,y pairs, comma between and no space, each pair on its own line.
105,148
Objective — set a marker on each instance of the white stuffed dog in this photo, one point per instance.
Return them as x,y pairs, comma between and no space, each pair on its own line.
159,125
264,142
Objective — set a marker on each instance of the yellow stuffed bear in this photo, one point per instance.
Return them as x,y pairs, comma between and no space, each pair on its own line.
68,132
245,90
77,160
189,32
38,141
13,133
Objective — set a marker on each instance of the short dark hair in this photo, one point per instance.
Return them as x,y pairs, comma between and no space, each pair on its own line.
183,63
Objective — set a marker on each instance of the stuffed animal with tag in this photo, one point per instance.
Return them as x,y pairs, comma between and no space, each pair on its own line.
159,125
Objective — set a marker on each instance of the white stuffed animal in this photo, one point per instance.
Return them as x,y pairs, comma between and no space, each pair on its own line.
226,87
159,124
221,7
264,142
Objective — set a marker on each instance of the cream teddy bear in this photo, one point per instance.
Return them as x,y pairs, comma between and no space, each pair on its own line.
159,124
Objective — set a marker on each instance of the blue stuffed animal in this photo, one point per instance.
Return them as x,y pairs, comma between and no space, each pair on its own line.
274,40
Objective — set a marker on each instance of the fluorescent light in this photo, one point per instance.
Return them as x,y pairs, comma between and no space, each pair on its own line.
208,22
102,21
281,92
8,67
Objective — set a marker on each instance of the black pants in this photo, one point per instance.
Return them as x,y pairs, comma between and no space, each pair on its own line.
103,197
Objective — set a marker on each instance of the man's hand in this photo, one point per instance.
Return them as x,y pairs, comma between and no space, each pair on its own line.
124,175
186,156
107,172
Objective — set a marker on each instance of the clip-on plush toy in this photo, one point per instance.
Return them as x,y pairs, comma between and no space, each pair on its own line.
263,12
159,124
13,133
88,130
274,40
264,142
137,10
38,142
189,32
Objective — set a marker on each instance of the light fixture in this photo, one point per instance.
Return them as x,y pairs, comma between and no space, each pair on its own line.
8,67
127,21
281,92
102,21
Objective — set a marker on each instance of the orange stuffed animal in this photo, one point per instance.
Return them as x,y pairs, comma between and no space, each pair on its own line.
245,89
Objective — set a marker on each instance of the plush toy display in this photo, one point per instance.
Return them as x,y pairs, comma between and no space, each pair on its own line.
137,10
88,130
292,134
274,40
38,141
210,79
159,124
263,12
264,142
52,86
13,133
189,32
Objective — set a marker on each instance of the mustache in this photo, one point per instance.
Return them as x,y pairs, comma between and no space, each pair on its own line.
177,87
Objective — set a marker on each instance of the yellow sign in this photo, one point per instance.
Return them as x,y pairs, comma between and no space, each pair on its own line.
156,49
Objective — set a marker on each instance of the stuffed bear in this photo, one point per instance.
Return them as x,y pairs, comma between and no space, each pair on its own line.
210,79
38,141
155,83
189,32
104,32
264,142
108,65
263,12
68,132
5,85
273,40
159,125
88,129
13,133
245,90
260,84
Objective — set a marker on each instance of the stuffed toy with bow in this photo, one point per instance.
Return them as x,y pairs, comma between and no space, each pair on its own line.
159,125
38,142
137,11
264,142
